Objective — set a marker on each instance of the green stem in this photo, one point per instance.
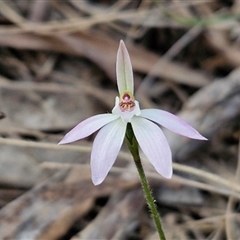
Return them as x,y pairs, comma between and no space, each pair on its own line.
133,147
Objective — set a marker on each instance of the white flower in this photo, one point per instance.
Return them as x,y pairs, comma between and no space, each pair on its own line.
149,135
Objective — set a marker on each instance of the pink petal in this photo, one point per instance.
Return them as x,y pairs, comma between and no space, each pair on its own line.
87,127
106,147
154,145
171,122
124,70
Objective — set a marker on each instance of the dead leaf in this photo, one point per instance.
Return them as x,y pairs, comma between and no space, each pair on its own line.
96,46
209,110
48,210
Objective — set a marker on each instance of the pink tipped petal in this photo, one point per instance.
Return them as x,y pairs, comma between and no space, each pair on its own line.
154,145
106,147
124,70
171,122
87,127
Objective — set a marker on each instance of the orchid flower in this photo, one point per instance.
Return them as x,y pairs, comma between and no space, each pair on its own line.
149,135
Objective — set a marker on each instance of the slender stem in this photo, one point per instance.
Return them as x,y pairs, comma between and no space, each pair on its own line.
133,147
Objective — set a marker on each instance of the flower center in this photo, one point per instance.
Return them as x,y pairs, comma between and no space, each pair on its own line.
127,103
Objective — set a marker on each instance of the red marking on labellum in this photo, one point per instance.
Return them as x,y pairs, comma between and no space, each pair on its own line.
127,104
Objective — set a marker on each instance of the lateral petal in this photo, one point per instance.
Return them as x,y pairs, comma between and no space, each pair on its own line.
87,127
105,149
124,70
154,145
171,122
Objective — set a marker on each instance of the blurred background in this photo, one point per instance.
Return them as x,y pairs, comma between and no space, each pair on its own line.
57,67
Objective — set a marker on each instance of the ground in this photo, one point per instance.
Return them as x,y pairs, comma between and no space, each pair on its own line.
57,67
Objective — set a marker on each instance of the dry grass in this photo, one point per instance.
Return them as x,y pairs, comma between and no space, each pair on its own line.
57,67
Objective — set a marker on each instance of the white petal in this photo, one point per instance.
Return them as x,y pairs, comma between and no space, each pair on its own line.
154,145
171,122
124,70
106,147
87,127
137,108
